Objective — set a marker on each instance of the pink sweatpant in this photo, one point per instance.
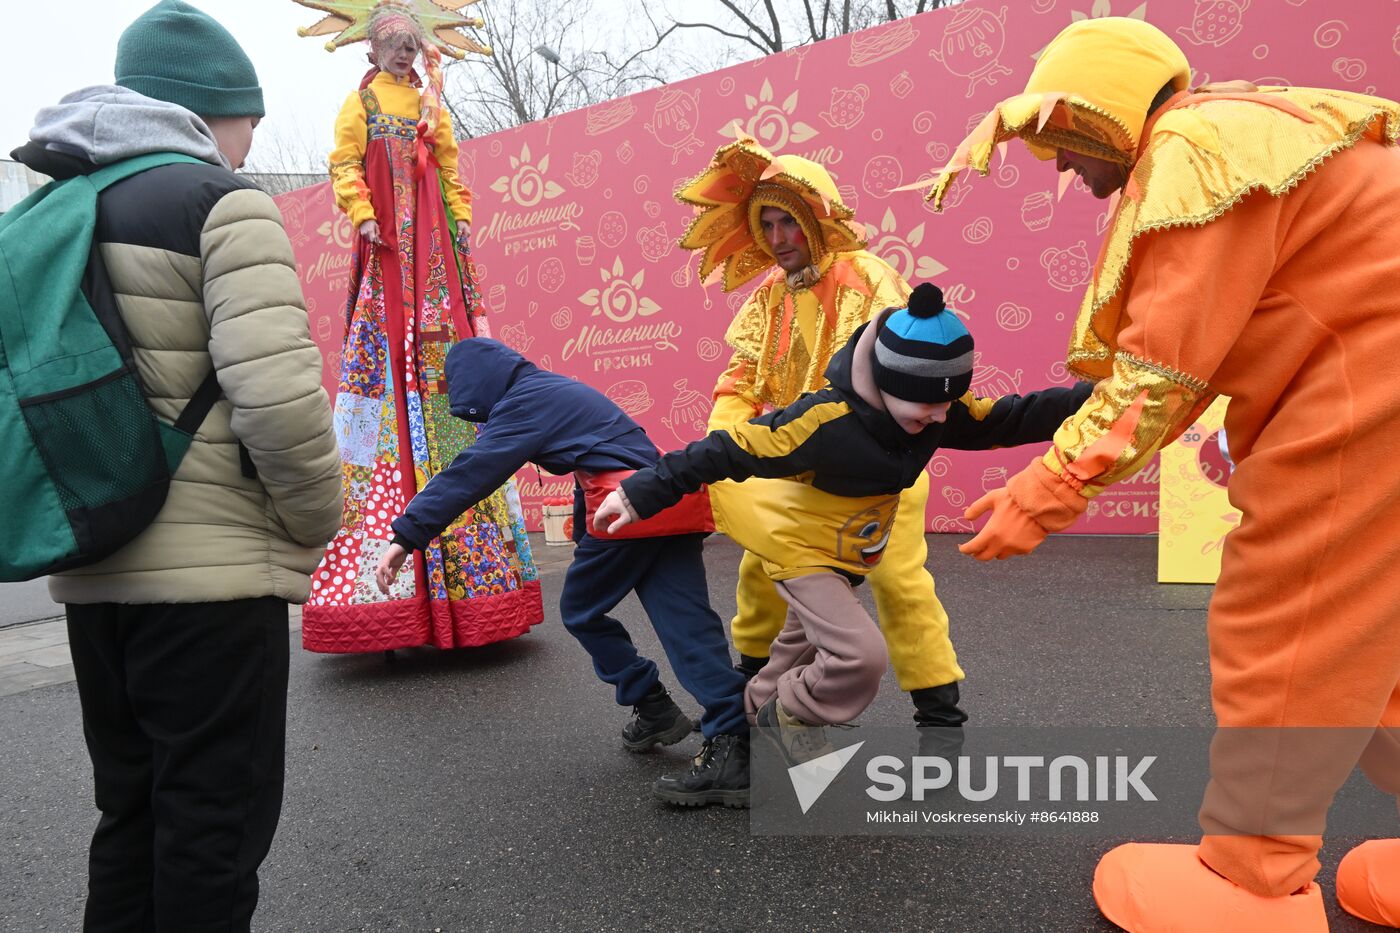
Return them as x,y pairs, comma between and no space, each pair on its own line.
827,662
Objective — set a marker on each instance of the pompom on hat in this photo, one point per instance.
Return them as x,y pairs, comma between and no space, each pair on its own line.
923,353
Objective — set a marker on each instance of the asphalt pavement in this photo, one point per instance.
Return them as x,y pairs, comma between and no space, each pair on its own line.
486,790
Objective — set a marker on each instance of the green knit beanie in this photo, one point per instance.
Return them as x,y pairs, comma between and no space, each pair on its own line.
181,55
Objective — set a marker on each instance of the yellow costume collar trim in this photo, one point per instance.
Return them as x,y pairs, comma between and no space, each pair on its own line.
1204,156
851,287
725,227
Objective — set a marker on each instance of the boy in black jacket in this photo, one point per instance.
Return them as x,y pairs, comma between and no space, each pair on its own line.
533,415
897,392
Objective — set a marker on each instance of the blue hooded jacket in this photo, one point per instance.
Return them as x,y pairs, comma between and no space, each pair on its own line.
530,415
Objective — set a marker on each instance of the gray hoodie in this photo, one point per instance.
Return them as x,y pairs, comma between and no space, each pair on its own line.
105,124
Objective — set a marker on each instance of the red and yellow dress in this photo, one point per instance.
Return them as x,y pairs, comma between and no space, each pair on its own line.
410,299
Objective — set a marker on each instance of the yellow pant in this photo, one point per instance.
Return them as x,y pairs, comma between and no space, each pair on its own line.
910,616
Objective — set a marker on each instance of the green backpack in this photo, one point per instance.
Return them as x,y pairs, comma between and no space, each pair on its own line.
86,462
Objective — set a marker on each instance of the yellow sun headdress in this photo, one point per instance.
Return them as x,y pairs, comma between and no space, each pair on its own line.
742,179
1088,93
439,21
434,24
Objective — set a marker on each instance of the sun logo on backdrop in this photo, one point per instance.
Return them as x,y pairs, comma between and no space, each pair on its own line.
618,299
771,123
901,251
526,186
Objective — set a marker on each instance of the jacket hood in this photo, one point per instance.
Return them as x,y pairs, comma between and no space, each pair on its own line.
104,124
839,375
480,371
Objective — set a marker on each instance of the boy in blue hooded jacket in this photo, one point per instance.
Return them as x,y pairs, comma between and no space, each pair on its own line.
532,415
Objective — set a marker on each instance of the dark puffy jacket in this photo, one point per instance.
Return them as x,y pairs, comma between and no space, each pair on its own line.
531,415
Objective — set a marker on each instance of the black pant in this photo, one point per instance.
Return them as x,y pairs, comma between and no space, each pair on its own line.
185,715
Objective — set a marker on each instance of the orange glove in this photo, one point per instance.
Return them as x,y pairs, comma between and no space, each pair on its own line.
1033,503
1011,530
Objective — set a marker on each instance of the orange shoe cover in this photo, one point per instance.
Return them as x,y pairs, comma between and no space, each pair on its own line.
1368,882
1167,889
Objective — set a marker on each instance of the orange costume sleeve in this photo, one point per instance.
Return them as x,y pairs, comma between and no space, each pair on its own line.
1189,294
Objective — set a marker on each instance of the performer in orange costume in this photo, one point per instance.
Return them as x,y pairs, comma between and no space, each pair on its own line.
1253,253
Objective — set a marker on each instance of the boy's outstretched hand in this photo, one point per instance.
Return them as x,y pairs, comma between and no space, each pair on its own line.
1009,532
389,566
615,510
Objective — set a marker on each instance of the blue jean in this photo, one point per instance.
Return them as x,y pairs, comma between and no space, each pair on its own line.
668,576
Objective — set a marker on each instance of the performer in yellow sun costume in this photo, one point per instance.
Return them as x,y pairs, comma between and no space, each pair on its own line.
782,217
1253,253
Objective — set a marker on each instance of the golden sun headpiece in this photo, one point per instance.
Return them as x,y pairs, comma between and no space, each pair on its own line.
1088,93
728,197
439,21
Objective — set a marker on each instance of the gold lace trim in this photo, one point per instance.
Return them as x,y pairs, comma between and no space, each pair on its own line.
1089,348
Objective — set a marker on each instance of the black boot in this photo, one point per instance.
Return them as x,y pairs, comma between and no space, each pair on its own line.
749,666
937,706
657,720
719,774
940,720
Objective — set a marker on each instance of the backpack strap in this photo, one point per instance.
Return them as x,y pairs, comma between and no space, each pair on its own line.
199,404
208,393
198,408
111,174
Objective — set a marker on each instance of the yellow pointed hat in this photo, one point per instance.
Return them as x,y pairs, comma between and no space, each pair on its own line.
1088,93
741,180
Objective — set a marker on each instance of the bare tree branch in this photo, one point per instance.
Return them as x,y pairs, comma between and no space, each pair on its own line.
772,42
765,49
597,61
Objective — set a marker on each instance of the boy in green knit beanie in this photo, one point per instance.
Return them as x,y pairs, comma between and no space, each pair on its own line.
179,638
179,54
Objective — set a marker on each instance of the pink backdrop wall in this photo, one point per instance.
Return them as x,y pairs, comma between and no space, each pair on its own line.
575,226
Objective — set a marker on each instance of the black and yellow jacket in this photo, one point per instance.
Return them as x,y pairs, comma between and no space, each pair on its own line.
847,461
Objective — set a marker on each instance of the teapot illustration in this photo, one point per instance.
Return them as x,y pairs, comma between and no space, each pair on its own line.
1215,22
1068,268
991,382
690,413
847,107
585,169
673,122
972,41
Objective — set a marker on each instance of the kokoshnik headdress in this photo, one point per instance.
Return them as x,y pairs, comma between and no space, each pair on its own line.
728,197
435,24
